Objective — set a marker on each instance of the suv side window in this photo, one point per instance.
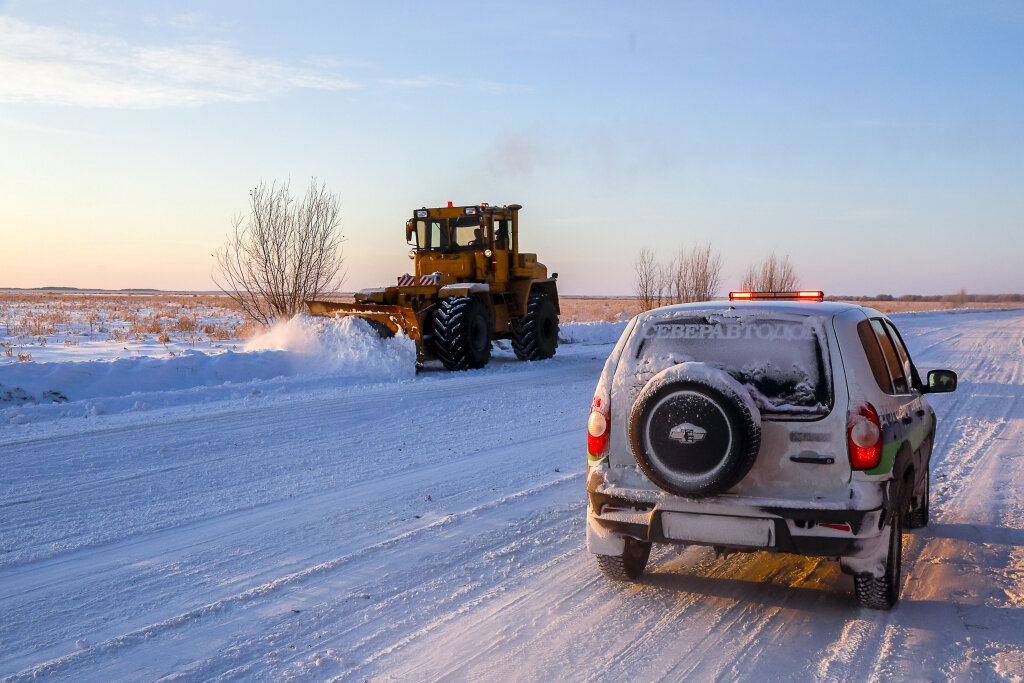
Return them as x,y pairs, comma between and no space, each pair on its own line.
869,341
901,350
892,359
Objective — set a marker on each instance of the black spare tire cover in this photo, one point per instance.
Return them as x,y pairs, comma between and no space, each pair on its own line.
694,430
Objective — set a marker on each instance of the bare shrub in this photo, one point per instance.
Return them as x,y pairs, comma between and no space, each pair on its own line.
283,253
695,274
774,274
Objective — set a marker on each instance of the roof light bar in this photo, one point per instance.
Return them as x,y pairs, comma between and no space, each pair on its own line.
787,296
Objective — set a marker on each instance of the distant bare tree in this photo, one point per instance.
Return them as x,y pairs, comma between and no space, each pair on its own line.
695,274
649,280
674,278
774,274
283,253
704,271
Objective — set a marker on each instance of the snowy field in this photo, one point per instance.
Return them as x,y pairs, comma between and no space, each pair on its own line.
310,508
47,326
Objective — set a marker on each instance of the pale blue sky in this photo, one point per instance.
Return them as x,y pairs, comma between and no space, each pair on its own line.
880,144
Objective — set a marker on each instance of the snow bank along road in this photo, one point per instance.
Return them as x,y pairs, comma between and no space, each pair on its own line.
433,528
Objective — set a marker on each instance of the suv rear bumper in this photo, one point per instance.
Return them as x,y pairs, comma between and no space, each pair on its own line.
820,531
782,538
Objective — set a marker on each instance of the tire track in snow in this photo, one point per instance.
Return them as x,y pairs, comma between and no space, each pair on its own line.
731,621
356,498
227,414
218,431
743,623
837,662
35,575
372,640
221,606
567,377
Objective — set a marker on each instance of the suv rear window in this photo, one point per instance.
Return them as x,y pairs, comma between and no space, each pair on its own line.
781,362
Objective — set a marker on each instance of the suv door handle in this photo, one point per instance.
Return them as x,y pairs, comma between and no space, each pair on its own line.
907,420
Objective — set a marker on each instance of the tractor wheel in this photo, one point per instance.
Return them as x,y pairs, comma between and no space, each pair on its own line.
462,333
535,335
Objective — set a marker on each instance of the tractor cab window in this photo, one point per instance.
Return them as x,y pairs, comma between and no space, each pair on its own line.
431,235
468,233
456,234
501,235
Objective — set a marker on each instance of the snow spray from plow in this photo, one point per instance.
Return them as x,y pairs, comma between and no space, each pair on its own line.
346,346
346,350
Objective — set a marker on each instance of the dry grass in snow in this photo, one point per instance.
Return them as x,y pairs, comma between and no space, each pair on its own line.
54,318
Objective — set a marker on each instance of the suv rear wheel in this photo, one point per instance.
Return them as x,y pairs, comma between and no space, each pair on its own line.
629,565
884,592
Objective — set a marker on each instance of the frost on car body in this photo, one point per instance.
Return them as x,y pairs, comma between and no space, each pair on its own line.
734,425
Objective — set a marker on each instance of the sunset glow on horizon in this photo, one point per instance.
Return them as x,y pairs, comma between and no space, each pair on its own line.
879,146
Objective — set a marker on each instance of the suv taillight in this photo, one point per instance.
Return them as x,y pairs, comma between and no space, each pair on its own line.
864,437
597,428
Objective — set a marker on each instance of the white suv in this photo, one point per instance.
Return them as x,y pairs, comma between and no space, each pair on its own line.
787,425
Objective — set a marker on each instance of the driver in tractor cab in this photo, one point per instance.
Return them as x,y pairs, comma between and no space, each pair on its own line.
501,236
478,238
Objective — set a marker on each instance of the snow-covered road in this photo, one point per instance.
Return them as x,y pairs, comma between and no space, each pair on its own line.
433,527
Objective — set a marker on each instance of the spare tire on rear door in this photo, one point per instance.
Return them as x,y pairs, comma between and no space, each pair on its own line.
694,430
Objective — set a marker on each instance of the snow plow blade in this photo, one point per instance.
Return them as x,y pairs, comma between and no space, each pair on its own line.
393,318
386,319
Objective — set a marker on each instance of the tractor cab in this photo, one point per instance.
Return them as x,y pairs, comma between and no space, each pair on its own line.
464,242
462,228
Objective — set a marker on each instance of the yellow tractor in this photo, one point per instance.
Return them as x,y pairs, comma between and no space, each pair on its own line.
471,285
